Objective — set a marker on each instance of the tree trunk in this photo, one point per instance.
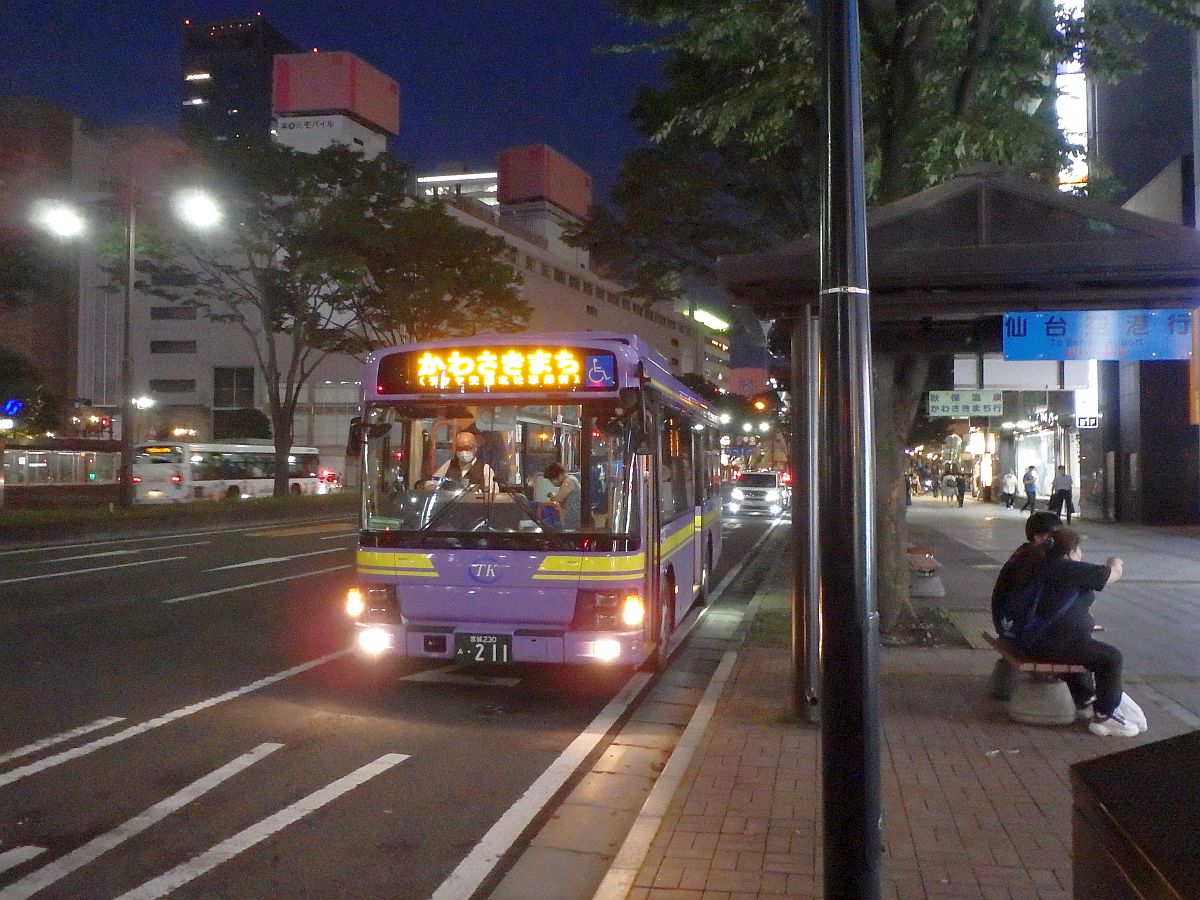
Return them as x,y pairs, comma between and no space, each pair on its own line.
281,426
899,381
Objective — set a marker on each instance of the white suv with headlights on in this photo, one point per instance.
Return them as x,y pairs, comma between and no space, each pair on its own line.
764,493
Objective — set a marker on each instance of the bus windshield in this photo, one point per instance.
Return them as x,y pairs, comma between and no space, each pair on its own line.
413,483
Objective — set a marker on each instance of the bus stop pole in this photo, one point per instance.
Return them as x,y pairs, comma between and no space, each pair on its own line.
850,727
806,563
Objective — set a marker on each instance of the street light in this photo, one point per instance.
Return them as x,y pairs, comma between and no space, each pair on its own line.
62,219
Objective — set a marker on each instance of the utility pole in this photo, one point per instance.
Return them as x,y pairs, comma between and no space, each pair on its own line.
850,728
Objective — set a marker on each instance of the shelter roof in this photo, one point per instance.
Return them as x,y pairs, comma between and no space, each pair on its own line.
984,243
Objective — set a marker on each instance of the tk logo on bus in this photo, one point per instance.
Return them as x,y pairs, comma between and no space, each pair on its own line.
484,569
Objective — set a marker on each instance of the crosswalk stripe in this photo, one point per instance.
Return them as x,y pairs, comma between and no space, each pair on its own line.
10,859
78,858
61,737
243,840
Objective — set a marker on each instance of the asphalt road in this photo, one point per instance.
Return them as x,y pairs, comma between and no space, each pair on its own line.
181,714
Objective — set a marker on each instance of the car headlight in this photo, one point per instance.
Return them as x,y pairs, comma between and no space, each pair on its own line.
737,494
772,496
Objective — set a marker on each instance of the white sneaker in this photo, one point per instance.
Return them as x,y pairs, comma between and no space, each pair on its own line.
1084,711
1114,725
1131,712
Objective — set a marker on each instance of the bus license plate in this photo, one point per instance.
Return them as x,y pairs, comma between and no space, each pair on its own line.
483,648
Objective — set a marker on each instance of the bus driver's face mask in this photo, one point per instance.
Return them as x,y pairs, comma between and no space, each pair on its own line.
466,457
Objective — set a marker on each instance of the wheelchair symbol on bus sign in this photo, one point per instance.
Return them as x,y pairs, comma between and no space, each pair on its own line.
599,371
484,569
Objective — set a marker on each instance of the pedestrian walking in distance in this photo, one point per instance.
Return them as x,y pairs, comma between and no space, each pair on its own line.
1029,480
1063,486
1008,489
960,487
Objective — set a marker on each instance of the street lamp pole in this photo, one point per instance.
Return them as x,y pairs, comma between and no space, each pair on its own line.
125,497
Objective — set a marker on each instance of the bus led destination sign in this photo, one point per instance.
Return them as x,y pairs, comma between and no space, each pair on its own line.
488,369
1127,334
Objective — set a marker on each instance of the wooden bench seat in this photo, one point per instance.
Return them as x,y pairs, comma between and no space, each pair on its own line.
1025,664
1040,699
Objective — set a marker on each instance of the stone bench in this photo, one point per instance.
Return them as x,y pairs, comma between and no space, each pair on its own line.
1042,698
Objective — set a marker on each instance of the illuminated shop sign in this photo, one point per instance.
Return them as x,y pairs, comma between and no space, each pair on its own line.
487,369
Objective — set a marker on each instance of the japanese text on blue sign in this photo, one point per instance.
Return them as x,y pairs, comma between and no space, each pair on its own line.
1131,334
966,403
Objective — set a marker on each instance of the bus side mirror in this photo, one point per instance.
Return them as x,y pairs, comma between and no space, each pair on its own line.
354,439
633,406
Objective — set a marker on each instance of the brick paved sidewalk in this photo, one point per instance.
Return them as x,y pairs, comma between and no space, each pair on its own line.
975,805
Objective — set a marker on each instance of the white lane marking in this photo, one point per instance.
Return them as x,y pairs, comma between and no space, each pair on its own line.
135,540
79,857
10,859
470,873
267,560
134,730
341,537
144,562
129,552
60,737
242,587
244,840
457,675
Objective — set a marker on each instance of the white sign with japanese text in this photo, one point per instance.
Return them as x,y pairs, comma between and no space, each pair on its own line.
966,403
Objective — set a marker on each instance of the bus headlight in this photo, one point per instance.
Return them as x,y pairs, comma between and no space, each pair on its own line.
374,640
633,613
355,604
737,494
598,610
606,649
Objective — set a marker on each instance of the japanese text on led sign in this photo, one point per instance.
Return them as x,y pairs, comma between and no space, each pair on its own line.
487,368
966,403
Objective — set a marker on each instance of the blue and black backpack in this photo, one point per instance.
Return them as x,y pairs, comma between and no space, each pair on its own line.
1016,617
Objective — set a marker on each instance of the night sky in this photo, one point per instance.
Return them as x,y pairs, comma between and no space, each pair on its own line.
475,76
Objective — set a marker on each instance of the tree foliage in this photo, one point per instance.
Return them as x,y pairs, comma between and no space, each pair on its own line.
326,253
736,142
23,381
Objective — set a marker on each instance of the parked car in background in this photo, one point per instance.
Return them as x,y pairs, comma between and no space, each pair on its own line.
759,493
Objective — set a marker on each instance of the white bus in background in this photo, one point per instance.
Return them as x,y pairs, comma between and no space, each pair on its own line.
172,472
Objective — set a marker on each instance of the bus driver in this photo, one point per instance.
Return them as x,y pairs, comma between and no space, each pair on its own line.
465,466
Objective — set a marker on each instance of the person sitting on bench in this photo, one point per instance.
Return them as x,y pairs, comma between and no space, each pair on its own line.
1068,581
1037,527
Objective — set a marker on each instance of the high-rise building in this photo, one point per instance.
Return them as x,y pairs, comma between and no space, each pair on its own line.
322,99
227,76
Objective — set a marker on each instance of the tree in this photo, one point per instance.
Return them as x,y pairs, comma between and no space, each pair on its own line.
307,267
23,382
430,276
946,84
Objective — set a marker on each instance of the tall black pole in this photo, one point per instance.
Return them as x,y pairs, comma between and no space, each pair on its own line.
806,563
125,494
849,620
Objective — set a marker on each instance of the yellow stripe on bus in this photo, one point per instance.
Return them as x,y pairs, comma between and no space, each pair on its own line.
397,573
394,559
593,565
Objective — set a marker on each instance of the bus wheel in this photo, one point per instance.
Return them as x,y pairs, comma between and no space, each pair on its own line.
296,489
233,492
658,661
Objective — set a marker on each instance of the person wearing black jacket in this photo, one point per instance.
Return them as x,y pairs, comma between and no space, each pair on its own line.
1070,582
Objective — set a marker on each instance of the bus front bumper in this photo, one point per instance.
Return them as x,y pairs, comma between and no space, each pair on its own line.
478,643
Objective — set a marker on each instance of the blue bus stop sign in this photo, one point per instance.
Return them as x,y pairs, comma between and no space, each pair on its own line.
1126,334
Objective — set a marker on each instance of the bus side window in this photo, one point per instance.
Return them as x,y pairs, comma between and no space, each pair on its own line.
675,469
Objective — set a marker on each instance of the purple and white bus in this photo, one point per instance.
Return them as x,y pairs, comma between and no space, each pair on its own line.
474,570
